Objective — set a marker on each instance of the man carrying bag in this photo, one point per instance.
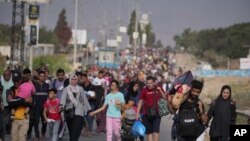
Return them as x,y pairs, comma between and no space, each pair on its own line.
148,103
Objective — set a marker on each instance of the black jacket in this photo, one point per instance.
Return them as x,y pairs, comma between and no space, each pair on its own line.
41,94
16,101
224,114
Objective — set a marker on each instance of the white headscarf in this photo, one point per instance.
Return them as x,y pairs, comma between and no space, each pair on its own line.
73,89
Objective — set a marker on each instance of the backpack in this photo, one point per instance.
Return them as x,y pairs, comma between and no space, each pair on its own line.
189,121
162,107
53,83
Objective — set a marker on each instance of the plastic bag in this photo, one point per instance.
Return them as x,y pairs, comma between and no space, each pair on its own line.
162,107
138,129
204,136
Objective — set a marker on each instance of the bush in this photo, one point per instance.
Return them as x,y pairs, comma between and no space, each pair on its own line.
215,59
2,64
53,62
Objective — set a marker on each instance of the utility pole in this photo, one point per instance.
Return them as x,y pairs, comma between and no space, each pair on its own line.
22,33
75,39
17,32
87,54
119,23
31,57
104,24
118,37
136,27
46,15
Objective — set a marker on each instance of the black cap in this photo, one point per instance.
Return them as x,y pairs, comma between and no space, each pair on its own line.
26,71
78,73
16,76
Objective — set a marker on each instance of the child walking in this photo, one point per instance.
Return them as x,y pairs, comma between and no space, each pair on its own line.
115,101
52,114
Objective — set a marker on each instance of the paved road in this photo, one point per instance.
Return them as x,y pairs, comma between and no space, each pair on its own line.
164,132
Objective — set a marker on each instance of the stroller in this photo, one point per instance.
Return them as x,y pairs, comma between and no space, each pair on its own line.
127,123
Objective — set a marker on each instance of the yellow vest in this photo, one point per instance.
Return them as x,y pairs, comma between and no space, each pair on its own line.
19,111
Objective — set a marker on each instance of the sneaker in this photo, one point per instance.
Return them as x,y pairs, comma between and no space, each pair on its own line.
43,138
100,130
85,132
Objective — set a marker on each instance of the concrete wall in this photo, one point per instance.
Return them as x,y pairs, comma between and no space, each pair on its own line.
39,50
5,50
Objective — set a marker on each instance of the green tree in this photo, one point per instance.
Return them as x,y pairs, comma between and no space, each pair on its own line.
148,30
2,63
158,44
47,36
62,30
131,26
5,31
150,36
216,45
187,39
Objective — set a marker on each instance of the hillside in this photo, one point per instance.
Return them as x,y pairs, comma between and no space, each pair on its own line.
212,85
186,61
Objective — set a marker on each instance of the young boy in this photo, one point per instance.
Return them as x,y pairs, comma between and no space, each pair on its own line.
52,114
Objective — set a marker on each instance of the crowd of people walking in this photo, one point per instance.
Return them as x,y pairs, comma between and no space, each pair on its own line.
104,96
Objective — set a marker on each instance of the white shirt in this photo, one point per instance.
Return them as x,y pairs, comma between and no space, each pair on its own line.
98,82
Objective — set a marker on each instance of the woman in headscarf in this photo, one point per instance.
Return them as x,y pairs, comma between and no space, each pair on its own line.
223,112
75,105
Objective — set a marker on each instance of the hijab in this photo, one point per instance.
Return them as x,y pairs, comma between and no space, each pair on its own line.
73,88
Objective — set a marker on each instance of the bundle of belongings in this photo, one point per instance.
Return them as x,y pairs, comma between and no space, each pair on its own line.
127,123
180,89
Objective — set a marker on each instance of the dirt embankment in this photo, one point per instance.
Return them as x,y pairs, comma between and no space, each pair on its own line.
186,61
212,85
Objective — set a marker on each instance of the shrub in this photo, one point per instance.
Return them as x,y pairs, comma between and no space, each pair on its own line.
53,62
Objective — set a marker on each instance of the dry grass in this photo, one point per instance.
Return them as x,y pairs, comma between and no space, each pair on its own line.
240,89
242,95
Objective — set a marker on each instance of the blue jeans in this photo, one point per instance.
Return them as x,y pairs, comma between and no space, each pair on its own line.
90,122
53,130
90,119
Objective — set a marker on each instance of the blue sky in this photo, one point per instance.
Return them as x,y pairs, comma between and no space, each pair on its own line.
168,17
